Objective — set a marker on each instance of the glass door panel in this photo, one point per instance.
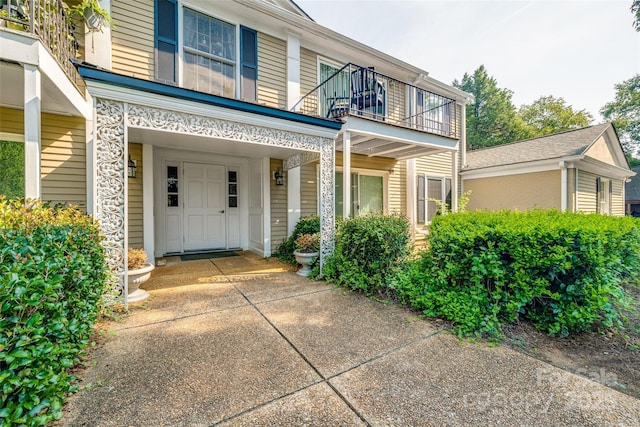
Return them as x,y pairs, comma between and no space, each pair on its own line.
371,194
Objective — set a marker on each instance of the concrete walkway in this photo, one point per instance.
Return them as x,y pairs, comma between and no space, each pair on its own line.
244,341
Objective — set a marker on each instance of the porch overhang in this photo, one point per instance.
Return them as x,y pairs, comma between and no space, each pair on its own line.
372,138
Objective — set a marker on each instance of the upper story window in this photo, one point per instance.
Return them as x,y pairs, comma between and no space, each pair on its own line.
217,57
209,54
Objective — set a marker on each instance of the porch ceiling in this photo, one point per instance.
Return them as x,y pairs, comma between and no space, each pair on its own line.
53,100
206,144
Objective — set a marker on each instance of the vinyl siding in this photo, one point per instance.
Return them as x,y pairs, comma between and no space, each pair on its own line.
586,194
308,76
359,161
396,101
515,192
136,239
398,189
272,71
309,189
278,208
617,198
436,165
132,38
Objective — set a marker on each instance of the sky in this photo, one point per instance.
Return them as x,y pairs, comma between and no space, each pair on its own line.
577,50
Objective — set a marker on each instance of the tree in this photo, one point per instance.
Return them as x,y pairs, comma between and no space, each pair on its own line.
624,112
635,9
548,115
491,118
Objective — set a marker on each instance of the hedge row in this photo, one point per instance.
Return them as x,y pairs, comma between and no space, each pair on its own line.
52,277
562,271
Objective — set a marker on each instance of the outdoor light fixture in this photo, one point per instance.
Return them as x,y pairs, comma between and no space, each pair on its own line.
132,168
278,176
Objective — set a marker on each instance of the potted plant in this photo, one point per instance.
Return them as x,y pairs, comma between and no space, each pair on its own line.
93,14
307,246
138,272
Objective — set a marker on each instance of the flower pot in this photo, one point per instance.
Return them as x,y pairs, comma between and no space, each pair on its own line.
93,19
135,279
305,259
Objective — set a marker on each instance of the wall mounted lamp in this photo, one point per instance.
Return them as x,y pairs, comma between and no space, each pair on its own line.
131,169
278,176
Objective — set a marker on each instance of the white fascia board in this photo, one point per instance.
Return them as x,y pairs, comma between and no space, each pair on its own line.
116,93
603,169
519,168
398,134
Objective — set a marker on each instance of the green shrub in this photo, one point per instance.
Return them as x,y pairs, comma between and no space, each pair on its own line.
306,225
368,251
52,277
562,271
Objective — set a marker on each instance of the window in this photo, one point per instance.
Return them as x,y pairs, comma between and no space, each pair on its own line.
429,190
210,59
209,54
367,194
12,169
335,96
604,190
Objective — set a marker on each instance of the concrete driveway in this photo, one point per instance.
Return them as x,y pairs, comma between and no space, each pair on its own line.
245,341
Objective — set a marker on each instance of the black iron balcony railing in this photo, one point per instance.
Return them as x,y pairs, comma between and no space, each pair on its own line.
50,21
359,91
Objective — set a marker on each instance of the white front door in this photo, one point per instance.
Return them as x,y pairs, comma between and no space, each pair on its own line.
204,207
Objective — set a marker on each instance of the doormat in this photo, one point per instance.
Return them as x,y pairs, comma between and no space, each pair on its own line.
207,255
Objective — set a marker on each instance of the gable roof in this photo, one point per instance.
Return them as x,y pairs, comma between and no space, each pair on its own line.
632,188
290,6
556,146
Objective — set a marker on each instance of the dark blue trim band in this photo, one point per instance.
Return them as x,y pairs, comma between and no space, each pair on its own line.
94,74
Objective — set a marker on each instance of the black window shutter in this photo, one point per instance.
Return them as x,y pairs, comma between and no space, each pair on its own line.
421,200
598,190
166,40
248,64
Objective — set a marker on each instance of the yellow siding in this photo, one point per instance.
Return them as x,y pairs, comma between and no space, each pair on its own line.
435,165
132,38
272,71
617,198
396,101
515,192
308,189
63,160
11,121
586,194
398,188
135,199
358,161
308,77
278,209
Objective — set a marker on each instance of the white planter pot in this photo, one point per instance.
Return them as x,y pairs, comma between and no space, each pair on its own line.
135,279
305,259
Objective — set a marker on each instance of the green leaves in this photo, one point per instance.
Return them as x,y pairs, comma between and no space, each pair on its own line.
47,306
562,271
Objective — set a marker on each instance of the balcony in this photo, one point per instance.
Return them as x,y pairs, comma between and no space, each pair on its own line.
49,20
362,92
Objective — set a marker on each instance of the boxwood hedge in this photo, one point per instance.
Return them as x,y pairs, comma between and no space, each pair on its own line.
563,271
52,277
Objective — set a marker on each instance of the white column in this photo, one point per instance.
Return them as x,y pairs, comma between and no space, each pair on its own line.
411,192
147,201
32,149
455,174
266,205
97,49
293,198
346,174
293,70
563,186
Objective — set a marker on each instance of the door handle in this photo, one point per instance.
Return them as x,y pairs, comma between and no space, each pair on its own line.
222,211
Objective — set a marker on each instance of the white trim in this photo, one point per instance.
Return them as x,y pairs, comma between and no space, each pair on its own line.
455,178
367,172
346,175
293,198
411,192
577,192
266,206
125,272
293,70
32,132
102,90
515,169
147,201
564,177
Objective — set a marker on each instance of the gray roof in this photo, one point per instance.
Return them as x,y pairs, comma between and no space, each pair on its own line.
559,145
632,189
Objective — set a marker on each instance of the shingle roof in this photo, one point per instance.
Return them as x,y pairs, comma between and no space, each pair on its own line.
554,146
632,189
